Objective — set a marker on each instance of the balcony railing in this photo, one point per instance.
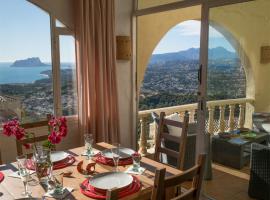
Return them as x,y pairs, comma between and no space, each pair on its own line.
223,115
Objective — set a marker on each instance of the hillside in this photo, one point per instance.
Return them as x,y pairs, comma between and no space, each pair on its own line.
193,54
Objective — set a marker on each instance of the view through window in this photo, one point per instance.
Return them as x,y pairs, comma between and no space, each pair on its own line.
26,84
171,77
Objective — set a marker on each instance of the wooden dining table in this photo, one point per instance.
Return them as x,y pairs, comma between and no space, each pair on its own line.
11,188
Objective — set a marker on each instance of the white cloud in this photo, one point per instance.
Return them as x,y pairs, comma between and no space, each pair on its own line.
193,27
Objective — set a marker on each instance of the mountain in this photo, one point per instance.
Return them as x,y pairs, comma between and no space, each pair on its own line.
29,62
193,54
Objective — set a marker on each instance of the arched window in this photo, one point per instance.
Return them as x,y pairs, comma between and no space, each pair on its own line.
171,76
37,63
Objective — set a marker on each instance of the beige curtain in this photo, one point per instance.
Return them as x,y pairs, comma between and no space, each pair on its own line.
96,63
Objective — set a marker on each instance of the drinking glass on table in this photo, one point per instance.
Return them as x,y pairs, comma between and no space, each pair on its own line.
88,141
116,155
43,164
58,183
24,173
136,157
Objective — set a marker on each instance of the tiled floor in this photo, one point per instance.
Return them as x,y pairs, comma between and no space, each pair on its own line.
227,184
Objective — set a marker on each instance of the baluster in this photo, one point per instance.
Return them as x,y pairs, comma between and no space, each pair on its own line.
181,115
211,120
191,116
143,140
241,119
231,117
221,119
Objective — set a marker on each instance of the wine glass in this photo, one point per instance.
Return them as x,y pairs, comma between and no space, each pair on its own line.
115,150
88,141
24,173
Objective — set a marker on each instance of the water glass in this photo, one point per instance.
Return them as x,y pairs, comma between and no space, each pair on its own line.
58,183
24,173
43,164
116,155
88,141
136,157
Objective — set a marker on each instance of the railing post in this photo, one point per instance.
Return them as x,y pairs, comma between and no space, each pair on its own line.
221,119
231,117
143,140
191,116
210,127
241,119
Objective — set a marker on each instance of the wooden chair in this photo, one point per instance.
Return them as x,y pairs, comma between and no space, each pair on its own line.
161,184
163,135
20,143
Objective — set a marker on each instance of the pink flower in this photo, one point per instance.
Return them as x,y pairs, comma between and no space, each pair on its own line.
7,130
63,131
54,138
27,146
19,133
13,128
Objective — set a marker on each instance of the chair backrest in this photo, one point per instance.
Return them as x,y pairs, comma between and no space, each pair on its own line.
20,143
259,182
163,135
195,173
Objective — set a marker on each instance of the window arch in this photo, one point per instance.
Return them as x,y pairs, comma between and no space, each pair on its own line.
171,75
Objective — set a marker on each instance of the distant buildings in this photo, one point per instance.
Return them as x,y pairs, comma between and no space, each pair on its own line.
10,108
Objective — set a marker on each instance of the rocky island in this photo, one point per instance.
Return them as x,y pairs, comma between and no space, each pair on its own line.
29,62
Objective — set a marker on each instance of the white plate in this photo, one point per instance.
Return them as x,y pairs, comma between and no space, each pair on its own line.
109,180
124,153
57,156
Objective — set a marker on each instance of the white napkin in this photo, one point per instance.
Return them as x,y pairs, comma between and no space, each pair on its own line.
67,191
139,172
94,152
17,175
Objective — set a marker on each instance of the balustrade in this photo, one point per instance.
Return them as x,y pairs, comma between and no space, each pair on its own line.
215,123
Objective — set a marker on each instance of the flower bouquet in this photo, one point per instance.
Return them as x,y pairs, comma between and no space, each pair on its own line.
57,131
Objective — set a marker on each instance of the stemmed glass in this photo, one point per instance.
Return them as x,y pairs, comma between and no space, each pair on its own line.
116,155
24,173
88,141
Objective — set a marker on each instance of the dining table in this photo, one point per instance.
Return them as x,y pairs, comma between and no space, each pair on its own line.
11,188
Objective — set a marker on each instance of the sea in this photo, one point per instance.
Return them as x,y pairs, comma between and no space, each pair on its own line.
12,75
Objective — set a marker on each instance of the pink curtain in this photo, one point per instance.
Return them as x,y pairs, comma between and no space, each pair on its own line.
96,64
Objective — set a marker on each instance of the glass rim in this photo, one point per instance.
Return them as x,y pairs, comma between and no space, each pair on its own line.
20,157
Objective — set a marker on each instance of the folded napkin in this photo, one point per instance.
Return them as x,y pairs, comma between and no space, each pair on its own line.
131,171
51,194
17,174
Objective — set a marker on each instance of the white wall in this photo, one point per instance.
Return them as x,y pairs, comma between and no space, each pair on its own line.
125,75
63,10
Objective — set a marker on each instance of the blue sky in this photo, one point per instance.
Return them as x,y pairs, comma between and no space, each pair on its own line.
187,35
25,32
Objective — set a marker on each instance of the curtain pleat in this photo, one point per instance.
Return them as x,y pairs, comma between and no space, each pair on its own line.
96,69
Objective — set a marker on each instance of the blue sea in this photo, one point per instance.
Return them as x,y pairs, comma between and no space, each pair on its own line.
25,74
